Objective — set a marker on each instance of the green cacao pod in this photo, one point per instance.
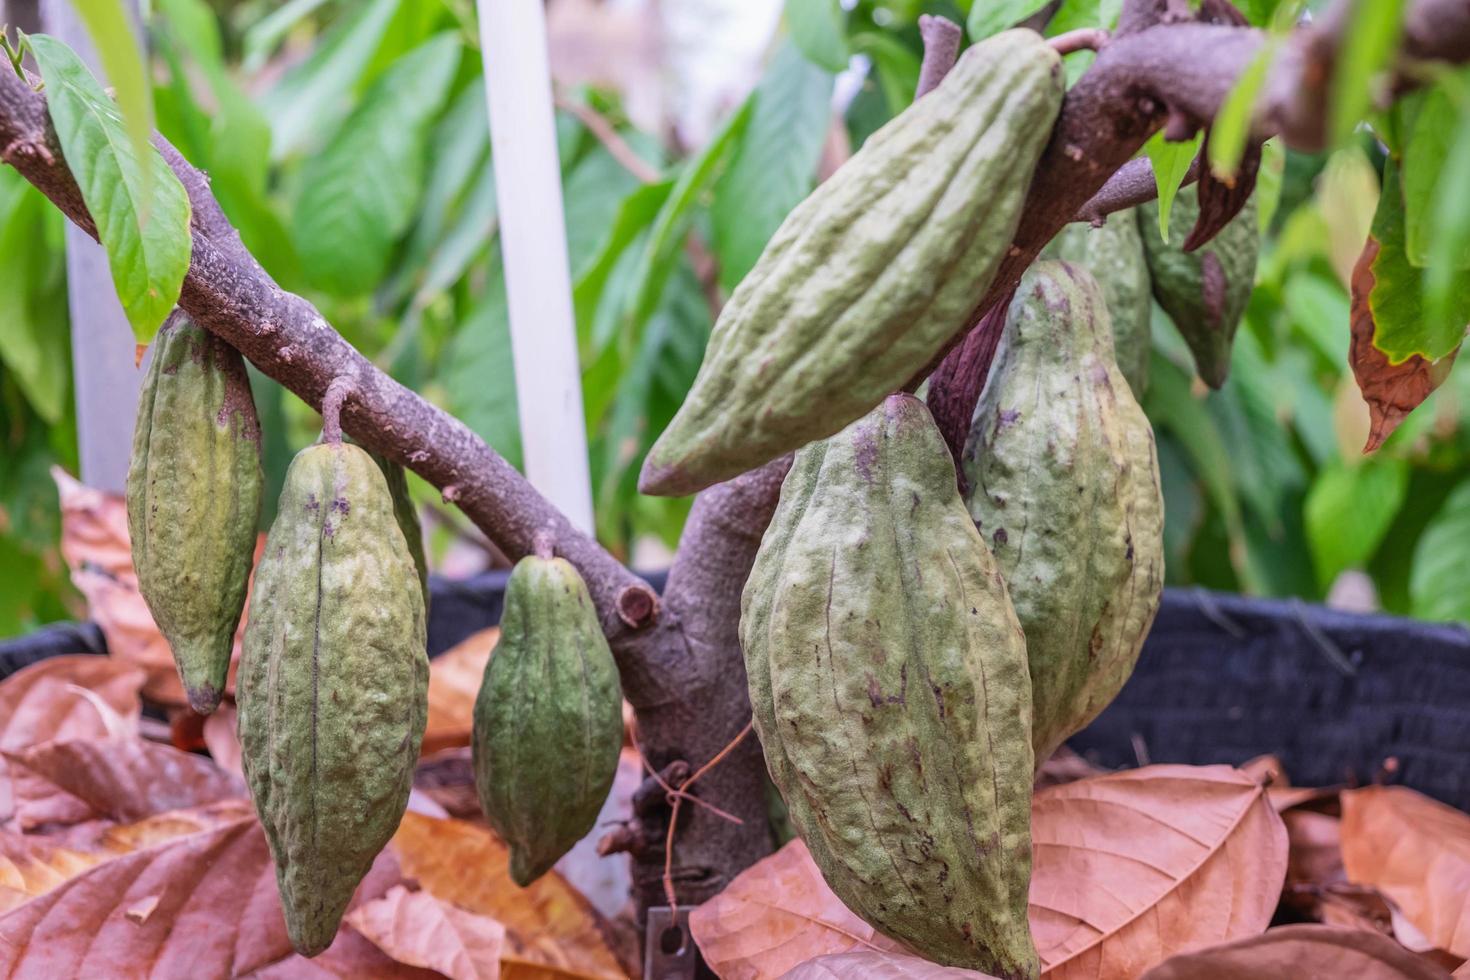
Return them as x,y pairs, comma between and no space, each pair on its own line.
872,274
194,489
548,719
1065,486
1204,291
407,516
890,692
333,685
1113,253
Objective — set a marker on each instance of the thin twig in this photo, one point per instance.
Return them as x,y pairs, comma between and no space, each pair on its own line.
610,139
332,402
1082,39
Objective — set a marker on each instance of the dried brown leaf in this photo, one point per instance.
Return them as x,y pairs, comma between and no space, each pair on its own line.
72,781
43,702
1133,867
1301,952
1316,854
1065,766
550,926
454,682
870,965
419,929
1417,852
1392,391
31,866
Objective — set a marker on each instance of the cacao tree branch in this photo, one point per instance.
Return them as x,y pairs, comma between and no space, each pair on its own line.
941,48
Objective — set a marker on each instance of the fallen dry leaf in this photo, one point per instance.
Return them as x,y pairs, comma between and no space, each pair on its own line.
454,682
1065,766
869,965
1302,952
351,957
776,915
1417,852
31,866
43,702
1315,848
549,926
419,929
119,779
223,738
1136,866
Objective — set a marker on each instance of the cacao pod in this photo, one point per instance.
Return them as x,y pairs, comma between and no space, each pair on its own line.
890,692
1065,486
1113,253
548,721
193,492
1204,291
407,516
869,277
333,685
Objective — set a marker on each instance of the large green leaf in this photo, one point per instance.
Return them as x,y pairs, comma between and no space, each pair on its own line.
358,196
34,331
1431,202
143,223
1372,39
111,33
774,166
989,17
1440,582
819,29
1348,511
478,374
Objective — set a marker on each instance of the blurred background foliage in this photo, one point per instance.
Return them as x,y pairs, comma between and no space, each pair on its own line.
348,143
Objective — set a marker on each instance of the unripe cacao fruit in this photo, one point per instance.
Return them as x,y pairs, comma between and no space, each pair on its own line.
407,516
333,685
869,277
193,492
1113,253
1065,486
890,692
1204,291
548,723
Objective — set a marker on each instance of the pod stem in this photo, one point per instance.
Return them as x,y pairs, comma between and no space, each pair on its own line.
543,544
941,38
332,403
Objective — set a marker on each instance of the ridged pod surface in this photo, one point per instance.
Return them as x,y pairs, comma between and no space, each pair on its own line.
408,518
1113,253
193,492
548,721
1204,291
872,274
333,685
890,692
1065,487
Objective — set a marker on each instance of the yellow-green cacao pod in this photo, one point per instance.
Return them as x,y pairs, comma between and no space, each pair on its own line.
1065,487
1113,253
890,691
194,489
333,685
548,719
869,277
1204,291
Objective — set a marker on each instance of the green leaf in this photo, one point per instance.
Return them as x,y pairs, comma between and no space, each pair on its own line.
264,35
1348,511
1449,248
897,67
819,28
35,343
1371,41
1231,127
1439,584
143,223
358,196
1268,183
478,374
636,213
111,33
593,193
1318,309
1171,162
1405,324
989,17
314,94
775,166
1427,194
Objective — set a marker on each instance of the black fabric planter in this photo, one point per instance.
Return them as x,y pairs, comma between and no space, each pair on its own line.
1222,678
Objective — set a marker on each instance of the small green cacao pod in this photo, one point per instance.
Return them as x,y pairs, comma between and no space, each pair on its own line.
194,489
333,685
890,691
1113,253
1204,291
1065,486
869,277
548,719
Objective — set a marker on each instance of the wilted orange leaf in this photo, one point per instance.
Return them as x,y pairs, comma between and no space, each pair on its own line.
419,929
41,702
776,915
454,682
1392,391
549,926
1304,952
872,965
121,779
1136,866
1417,852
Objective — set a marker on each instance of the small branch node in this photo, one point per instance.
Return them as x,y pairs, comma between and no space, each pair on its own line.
332,402
941,48
1179,127
637,607
1082,39
450,493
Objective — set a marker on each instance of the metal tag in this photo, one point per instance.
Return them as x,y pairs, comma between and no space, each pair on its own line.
669,952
